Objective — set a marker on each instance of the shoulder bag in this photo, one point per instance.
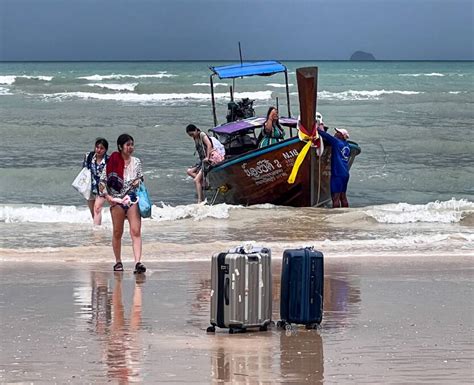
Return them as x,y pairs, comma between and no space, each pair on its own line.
83,183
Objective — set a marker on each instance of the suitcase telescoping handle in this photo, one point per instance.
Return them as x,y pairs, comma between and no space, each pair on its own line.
226,291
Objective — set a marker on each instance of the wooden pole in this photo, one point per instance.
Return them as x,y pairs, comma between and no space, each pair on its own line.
307,79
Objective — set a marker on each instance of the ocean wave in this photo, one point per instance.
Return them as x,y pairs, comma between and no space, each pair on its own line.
7,79
45,214
159,75
5,91
362,95
215,84
423,74
153,98
81,215
10,79
197,212
278,85
115,87
451,211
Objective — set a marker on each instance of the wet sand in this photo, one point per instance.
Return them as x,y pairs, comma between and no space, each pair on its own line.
386,321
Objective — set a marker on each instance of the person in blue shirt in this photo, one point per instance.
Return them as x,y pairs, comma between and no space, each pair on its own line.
340,156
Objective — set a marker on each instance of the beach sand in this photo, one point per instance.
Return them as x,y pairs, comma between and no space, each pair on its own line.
386,321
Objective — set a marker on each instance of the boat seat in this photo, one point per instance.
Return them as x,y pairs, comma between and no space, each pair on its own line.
239,144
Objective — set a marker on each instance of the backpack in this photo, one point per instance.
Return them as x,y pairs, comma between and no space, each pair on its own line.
218,146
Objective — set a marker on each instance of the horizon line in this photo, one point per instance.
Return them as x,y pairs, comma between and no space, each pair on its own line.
230,60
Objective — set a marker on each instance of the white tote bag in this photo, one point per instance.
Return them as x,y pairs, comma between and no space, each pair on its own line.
82,183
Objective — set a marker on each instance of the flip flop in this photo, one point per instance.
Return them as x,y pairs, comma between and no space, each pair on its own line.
118,266
139,268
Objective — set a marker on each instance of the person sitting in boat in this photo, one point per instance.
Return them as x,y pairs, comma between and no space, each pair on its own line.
272,132
340,156
210,152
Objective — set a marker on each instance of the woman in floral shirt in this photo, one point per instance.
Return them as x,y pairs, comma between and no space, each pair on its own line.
95,161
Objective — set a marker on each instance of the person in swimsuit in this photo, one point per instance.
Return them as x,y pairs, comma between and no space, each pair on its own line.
118,185
95,161
272,132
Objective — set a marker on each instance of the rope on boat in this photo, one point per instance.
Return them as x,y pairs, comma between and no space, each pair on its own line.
312,139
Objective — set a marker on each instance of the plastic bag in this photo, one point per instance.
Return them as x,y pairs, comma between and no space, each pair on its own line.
144,202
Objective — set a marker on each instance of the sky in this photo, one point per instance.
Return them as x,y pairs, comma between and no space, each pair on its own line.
37,30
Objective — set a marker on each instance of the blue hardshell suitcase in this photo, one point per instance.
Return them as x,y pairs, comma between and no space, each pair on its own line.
302,284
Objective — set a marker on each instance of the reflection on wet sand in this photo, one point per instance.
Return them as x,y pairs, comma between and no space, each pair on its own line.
244,359
341,299
301,359
119,336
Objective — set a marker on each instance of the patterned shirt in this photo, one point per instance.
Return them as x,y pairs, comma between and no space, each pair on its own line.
131,173
96,170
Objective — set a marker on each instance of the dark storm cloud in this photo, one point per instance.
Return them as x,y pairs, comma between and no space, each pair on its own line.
207,29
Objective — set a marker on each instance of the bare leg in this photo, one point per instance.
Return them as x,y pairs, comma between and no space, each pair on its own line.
344,202
135,222
99,203
192,172
198,181
90,204
118,218
336,200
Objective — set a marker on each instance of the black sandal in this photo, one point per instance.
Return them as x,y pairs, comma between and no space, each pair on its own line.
118,266
139,268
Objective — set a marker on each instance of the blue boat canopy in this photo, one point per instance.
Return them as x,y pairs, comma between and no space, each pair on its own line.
262,68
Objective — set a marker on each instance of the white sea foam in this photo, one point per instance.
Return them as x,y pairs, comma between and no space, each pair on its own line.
5,91
215,84
44,214
362,95
115,87
7,79
194,211
451,211
73,214
423,74
160,75
10,79
39,77
154,98
279,85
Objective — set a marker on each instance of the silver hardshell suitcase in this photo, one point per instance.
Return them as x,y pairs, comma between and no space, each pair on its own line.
241,289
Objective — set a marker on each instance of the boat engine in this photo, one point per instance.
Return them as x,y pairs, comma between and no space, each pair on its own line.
240,110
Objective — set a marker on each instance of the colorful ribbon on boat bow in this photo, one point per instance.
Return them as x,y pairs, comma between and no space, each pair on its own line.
312,140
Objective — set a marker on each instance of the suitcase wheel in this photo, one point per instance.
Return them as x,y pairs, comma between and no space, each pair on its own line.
312,326
211,329
263,328
281,324
288,327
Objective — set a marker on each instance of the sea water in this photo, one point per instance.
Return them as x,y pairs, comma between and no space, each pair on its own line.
411,189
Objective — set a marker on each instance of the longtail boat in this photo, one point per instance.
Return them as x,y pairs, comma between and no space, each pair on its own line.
250,175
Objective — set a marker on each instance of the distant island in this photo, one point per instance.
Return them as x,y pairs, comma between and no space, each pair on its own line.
361,55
